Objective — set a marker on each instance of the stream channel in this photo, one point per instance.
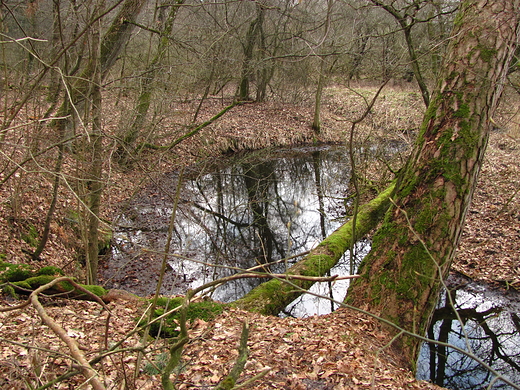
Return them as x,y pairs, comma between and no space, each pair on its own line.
258,208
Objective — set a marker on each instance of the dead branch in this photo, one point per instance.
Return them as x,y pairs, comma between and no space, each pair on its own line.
86,369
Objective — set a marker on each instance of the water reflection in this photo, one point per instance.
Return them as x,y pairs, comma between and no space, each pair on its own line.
489,326
241,215
316,302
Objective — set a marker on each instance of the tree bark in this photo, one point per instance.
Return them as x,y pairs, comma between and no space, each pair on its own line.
316,122
95,181
251,38
412,252
76,104
145,96
119,33
111,44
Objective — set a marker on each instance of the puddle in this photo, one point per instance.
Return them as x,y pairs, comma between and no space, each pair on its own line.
490,328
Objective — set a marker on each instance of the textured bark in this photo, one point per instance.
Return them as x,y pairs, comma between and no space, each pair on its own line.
251,38
413,250
119,33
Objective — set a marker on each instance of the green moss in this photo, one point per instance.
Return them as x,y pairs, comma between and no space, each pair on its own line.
37,281
23,284
9,291
462,112
170,302
48,274
50,270
425,218
227,384
205,310
417,268
15,272
104,241
486,53
20,272
96,290
459,18
31,236
317,265
337,244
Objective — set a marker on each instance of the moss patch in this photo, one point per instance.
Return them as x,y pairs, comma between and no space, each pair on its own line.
31,236
169,326
18,272
27,278
50,270
15,272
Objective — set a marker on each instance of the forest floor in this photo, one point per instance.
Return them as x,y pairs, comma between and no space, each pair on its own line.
342,350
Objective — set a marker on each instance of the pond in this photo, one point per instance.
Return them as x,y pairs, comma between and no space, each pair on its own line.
256,209
486,322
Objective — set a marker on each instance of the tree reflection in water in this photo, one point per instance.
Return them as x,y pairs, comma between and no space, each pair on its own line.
490,329
247,213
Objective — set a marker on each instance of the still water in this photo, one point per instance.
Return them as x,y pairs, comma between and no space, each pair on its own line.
253,210
486,323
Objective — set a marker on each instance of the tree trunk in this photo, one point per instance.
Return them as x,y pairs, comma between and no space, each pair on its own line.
251,37
271,297
412,252
95,181
414,61
145,96
113,40
75,105
316,122
119,33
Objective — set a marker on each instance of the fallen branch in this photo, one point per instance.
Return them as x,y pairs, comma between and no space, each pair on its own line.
86,369
271,297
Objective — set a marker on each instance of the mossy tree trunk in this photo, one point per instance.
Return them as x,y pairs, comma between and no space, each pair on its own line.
273,296
412,251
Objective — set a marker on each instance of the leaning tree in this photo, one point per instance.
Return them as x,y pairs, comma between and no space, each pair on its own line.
412,251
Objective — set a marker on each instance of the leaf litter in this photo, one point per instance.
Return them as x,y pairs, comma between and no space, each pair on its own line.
342,350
